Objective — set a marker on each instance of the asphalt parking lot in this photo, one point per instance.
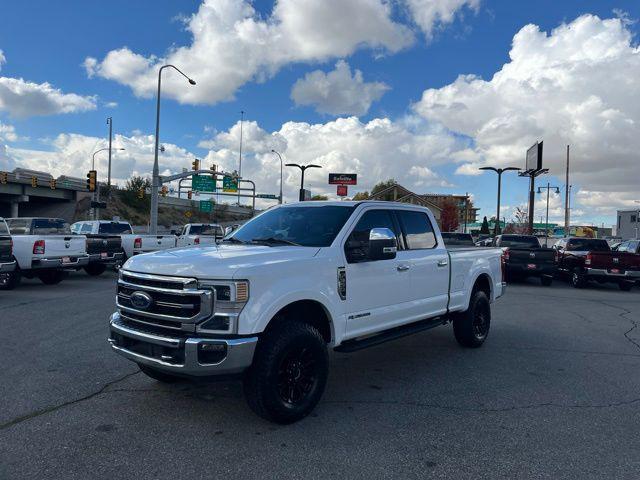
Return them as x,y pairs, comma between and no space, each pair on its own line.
553,393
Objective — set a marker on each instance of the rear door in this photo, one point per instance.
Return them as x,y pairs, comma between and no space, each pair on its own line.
378,292
429,265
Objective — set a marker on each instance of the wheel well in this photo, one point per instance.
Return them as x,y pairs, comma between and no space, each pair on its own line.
305,311
483,284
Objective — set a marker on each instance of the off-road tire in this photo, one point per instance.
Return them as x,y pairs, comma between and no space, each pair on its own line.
95,269
158,375
471,327
269,380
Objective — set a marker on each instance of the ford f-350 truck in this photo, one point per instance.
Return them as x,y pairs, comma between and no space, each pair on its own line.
273,297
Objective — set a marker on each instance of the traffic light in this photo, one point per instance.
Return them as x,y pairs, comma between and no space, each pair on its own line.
92,180
34,182
4,177
189,194
141,193
195,164
214,167
52,184
164,190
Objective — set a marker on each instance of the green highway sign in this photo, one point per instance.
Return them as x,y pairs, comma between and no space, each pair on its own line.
267,195
202,183
229,184
206,206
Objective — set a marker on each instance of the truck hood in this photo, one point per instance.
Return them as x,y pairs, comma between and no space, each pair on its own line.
215,261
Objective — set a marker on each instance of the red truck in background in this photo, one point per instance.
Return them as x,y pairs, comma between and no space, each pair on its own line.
586,259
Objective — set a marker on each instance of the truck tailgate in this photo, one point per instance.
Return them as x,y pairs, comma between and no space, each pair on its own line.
97,244
63,245
528,255
622,261
151,243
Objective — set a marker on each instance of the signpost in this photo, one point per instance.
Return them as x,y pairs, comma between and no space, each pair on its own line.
343,179
342,190
229,184
534,158
267,196
203,183
206,206
533,168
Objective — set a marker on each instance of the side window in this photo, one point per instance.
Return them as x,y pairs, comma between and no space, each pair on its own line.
86,228
372,219
418,230
633,247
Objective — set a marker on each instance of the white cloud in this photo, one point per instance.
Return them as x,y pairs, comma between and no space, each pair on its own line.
3,59
8,133
232,44
111,104
576,85
338,92
432,14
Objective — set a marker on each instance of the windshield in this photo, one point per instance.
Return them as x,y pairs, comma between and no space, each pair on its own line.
306,226
588,244
206,230
115,228
50,226
519,241
4,230
458,239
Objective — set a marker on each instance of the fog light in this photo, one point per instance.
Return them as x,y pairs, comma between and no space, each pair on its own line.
211,352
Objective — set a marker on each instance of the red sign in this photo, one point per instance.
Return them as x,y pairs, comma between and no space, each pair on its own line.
342,190
343,179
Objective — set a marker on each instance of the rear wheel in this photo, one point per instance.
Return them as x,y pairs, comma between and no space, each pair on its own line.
625,286
51,277
546,280
578,280
9,281
158,375
471,328
95,269
289,373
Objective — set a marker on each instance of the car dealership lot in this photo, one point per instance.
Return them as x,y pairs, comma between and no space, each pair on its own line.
554,393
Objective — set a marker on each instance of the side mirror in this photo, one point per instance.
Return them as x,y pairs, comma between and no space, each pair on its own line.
228,230
381,245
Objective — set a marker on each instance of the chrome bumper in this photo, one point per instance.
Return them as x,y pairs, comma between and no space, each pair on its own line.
39,263
600,272
237,354
7,267
98,258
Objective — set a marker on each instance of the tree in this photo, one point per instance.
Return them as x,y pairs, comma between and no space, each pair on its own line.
361,196
131,190
135,183
485,226
319,197
521,221
449,216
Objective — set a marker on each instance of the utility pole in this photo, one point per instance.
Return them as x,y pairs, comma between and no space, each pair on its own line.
546,225
240,159
110,123
566,198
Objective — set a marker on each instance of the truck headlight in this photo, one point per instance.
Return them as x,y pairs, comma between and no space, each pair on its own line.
230,299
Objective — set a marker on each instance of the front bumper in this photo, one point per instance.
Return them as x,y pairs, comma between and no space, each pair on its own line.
109,259
7,267
41,263
601,272
182,355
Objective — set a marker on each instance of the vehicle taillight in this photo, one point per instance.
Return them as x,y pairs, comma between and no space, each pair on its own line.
137,243
196,241
38,247
503,267
505,254
587,260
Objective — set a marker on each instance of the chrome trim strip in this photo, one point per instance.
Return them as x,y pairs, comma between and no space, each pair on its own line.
160,278
7,267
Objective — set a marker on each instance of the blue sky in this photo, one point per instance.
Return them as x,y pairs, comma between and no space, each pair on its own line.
45,41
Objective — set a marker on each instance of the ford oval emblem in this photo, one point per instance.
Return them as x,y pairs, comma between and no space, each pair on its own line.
141,300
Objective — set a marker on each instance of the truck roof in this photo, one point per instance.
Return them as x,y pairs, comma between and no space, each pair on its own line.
352,203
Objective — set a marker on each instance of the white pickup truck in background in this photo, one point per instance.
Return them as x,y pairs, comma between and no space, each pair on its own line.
45,247
200,234
273,297
132,244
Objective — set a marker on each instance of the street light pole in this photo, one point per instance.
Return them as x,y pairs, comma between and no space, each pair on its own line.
280,157
240,156
546,225
499,171
155,179
302,169
96,194
110,123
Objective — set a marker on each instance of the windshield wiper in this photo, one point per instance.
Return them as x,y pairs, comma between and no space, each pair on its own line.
233,240
274,241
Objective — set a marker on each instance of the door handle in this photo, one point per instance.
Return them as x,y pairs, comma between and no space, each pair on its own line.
403,268
443,263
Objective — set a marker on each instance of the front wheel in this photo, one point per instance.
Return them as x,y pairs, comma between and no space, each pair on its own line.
546,280
95,269
9,281
578,280
471,327
289,373
51,277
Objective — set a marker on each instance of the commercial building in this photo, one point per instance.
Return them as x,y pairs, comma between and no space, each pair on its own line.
467,213
628,224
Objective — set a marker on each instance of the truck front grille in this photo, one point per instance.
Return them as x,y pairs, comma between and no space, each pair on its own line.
172,303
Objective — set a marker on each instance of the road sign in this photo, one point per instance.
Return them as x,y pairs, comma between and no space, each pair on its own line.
534,158
99,205
203,183
343,179
206,206
342,190
229,184
267,195
187,214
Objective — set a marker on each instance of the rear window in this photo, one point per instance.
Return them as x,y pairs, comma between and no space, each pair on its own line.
50,226
458,239
588,244
115,228
417,229
519,241
206,230
4,230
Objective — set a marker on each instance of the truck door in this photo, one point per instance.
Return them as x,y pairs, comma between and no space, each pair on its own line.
429,265
377,291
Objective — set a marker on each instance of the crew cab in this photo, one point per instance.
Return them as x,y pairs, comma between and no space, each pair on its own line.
629,246
7,262
132,244
524,257
199,234
45,248
104,250
585,259
299,279
454,239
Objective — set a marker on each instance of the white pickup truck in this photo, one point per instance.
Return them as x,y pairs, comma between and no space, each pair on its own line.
132,244
45,248
199,234
272,298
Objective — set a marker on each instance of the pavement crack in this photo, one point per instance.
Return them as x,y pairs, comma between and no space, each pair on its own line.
624,314
54,408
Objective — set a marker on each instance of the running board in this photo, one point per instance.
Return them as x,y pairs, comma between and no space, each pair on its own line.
388,335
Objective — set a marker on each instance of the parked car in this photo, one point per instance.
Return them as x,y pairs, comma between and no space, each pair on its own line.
7,262
486,242
270,299
132,244
45,248
453,239
524,257
585,259
630,246
199,234
104,250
